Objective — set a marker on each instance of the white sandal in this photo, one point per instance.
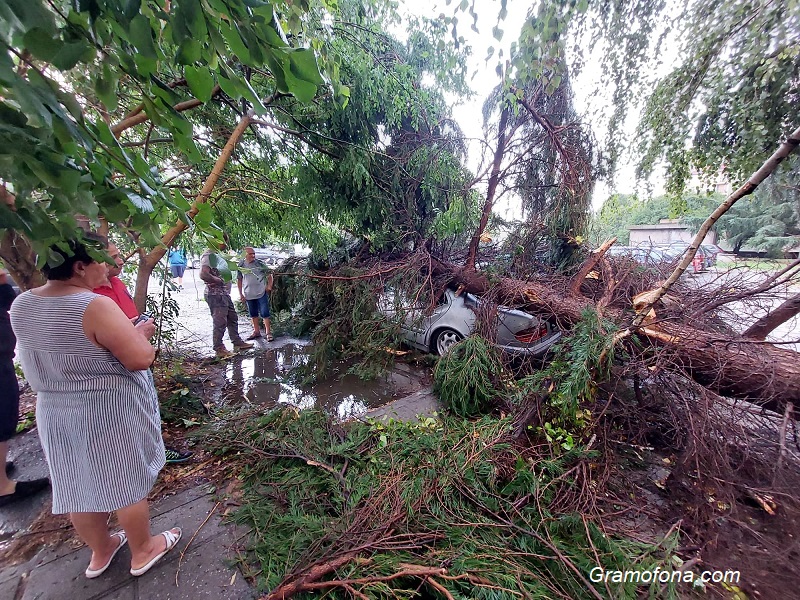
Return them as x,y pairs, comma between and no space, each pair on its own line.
92,573
171,539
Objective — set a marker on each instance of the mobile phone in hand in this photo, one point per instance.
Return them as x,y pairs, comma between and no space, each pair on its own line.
142,317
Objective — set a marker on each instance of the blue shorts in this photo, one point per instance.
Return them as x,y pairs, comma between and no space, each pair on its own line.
177,270
259,307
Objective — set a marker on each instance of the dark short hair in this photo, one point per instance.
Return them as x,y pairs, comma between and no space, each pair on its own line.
63,256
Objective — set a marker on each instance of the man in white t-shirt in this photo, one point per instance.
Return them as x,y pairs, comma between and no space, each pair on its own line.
254,281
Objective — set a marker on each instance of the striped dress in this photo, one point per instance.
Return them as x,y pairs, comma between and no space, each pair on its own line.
99,423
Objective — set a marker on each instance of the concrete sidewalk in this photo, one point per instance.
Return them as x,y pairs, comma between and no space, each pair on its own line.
199,564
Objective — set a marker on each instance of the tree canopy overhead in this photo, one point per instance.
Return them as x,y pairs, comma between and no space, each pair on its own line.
75,76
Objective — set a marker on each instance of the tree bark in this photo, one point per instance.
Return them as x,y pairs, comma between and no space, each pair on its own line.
586,268
491,190
137,117
774,319
20,260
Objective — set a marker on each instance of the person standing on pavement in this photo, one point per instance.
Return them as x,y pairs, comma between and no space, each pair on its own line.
10,490
115,289
218,296
254,281
97,409
177,266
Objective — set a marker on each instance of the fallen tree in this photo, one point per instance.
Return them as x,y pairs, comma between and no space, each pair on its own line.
759,372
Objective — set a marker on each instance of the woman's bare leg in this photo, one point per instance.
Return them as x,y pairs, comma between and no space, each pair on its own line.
92,528
135,520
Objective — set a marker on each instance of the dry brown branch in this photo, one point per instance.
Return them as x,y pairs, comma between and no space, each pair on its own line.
769,283
589,264
189,543
786,148
774,319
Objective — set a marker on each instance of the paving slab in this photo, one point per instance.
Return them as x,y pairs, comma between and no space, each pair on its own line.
422,403
8,589
203,574
205,569
64,578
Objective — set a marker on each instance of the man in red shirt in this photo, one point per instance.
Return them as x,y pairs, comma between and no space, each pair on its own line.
115,289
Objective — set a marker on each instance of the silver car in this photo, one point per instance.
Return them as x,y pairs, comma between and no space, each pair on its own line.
454,318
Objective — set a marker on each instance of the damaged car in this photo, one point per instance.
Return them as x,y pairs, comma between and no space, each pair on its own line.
454,318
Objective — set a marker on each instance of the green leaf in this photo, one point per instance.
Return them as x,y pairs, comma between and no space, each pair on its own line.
229,86
28,97
195,19
138,201
142,36
201,82
152,111
277,61
204,216
189,52
73,53
303,65
303,90
41,45
235,43
106,87
32,14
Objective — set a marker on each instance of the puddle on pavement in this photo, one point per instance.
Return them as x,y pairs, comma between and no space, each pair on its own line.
266,378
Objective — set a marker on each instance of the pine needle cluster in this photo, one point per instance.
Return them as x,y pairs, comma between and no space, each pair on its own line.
466,378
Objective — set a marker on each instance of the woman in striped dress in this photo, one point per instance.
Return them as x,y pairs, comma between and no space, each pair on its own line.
97,409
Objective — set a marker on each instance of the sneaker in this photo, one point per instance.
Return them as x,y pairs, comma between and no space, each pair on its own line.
242,345
25,489
224,353
175,457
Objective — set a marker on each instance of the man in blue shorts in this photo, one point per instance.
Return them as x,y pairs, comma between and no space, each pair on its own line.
254,281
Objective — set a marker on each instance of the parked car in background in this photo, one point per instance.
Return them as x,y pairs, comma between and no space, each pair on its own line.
645,255
271,257
192,261
454,318
700,256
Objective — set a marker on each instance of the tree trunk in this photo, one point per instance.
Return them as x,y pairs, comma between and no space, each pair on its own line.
20,260
758,372
785,149
774,319
491,190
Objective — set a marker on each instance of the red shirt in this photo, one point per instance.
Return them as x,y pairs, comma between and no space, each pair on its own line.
119,294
